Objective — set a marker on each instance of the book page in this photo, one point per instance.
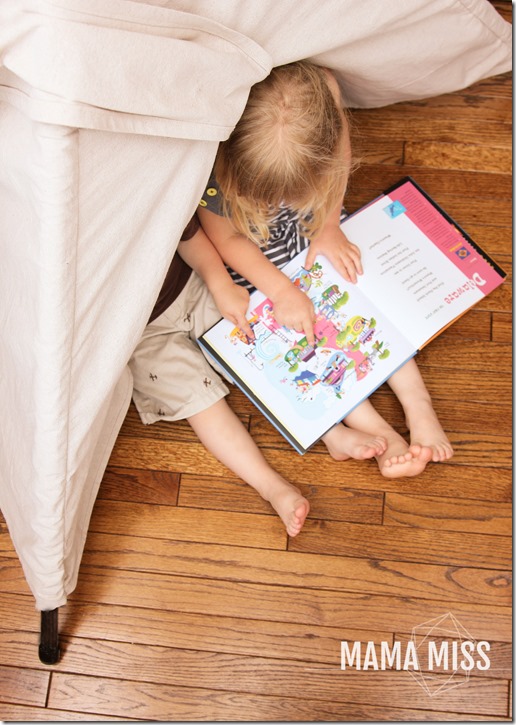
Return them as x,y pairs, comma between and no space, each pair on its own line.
418,268
306,390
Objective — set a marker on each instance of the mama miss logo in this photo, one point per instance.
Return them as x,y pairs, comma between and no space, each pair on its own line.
440,654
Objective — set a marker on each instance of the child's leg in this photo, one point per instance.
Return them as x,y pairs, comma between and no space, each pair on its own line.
397,460
223,434
427,436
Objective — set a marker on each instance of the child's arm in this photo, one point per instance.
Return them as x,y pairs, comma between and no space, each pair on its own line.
333,244
292,307
231,299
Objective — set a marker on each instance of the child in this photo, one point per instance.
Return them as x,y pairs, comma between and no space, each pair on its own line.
277,188
172,379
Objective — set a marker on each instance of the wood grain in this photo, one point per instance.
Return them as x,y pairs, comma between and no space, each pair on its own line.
172,703
162,522
442,514
23,686
418,545
329,502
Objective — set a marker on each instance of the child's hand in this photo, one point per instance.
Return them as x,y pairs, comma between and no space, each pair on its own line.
293,309
232,301
333,244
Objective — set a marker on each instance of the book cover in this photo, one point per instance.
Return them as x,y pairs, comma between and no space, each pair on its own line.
421,272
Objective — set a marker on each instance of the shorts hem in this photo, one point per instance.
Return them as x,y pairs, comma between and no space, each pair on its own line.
198,406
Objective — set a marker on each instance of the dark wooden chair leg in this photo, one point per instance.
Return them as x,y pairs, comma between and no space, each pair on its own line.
49,637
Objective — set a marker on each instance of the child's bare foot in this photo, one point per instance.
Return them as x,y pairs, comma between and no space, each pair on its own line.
427,434
290,505
400,460
343,443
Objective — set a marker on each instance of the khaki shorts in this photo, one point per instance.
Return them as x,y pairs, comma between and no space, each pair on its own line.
172,378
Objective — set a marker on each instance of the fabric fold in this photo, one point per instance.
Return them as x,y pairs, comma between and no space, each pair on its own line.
123,66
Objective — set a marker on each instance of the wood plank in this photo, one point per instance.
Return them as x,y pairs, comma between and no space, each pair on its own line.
23,686
345,611
24,713
463,156
501,299
291,604
265,676
495,87
251,637
381,123
176,703
496,241
434,181
129,484
460,104
448,353
370,150
474,325
404,544
280,640
372,576
7,546
502,327
449,514
319,607
162,522
338,503
13,579
504,8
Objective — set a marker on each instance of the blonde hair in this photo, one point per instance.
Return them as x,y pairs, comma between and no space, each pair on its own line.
288,147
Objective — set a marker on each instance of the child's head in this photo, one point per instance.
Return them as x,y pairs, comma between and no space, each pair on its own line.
291,145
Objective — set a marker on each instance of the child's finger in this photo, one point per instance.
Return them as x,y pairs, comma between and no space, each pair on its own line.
310,258
350,267
347,271
241,322
308,329
244,325
357,259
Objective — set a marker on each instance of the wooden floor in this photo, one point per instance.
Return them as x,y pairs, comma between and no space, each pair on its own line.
192,602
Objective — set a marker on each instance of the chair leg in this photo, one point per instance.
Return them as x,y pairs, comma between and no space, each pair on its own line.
49,638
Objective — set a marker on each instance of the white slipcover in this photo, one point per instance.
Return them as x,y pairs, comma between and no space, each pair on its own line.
110,115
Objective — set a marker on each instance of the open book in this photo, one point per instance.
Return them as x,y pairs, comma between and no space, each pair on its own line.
421,272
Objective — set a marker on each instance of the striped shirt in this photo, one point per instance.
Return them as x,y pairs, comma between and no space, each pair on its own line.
285,239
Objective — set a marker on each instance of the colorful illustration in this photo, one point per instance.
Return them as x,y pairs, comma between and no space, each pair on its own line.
348,344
